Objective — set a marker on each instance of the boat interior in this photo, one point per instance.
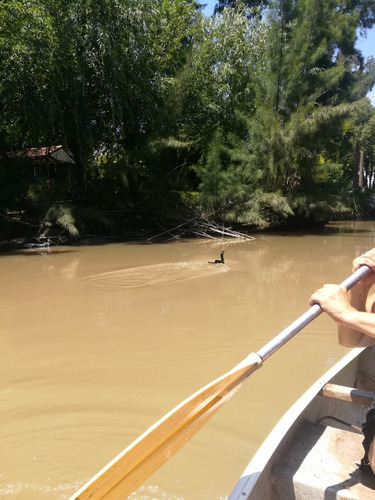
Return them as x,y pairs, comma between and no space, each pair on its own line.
318,456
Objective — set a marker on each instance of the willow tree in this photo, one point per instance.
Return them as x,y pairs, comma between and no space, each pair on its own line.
219,74
202,96
53,76
234,57
26,59
222,4
91,74
216,81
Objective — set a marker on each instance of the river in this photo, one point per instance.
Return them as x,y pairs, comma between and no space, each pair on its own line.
97,343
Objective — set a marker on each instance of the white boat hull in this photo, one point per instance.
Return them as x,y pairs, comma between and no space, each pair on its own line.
310,455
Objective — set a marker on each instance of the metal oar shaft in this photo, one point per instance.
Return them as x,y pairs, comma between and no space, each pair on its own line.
306,318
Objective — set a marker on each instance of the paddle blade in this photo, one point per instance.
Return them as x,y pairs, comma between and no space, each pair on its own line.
152,449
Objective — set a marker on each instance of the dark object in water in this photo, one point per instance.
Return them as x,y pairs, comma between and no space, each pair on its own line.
218,261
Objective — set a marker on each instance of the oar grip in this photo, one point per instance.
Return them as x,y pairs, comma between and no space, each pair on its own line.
306,318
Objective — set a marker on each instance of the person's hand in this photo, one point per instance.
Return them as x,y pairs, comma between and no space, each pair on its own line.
368,259
333,299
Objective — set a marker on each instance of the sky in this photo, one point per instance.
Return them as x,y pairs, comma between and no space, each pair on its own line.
365,45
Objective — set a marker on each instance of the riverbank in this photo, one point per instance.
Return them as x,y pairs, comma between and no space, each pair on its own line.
149,232
139,230
17,234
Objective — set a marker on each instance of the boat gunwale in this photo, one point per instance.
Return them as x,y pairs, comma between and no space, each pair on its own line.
255,467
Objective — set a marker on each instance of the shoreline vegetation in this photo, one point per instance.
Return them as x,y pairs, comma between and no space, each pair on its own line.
137,119
148,232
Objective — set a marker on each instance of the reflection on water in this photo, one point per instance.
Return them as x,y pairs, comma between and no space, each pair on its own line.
353,227
91,355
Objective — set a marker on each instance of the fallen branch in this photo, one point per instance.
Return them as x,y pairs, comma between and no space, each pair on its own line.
201,227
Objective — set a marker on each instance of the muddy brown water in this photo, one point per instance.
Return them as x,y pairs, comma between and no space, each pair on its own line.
98,343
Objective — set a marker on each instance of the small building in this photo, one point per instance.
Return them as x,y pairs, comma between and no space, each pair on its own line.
48,163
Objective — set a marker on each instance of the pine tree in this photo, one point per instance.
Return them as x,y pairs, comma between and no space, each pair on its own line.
312,80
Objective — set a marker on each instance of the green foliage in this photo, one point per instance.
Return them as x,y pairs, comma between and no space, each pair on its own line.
70,219
222,4
14,180
305,86
324,208
61,215
254,114
97,69
226,55
311,83
231,188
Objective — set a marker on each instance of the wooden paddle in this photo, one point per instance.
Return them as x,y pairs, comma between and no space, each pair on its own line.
145,455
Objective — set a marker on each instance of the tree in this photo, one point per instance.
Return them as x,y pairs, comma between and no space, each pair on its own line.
222,4
26,60
245,111
360,131
202,97
218,78
305,87
313,79
90,74
93,76
231,189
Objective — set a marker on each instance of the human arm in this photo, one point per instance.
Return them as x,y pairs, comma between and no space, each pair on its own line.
352,311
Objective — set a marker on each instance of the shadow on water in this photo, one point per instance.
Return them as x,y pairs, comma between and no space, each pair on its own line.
332,228
29,252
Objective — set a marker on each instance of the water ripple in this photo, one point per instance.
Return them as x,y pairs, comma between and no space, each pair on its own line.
156,274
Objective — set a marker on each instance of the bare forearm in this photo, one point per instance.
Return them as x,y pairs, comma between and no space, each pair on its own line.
354,311
357,329
358,297
356,326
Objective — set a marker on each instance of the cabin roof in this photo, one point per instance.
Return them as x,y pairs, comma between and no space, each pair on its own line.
55,153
